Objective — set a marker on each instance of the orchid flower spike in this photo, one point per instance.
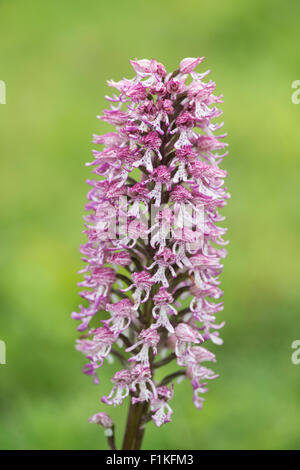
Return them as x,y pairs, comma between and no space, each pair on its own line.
154,248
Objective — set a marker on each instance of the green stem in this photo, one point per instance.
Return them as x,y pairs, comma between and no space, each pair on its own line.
111,440
134,431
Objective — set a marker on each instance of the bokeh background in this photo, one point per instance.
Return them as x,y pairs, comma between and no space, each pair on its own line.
55,58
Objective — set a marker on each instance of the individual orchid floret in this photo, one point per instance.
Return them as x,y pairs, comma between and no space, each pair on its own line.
138,194
188,65
199,387
161,176
163,300
96,349
141,376
152,144
163,260
202,354
120,258
100,279
158,89
184,156
162,229
106,422
184,127
136,229
149,68
103,419
201,267
186,241
122,314
184,206
175,87
193,358
203,373
148,338
186,336
161,410
85,315
122,380
198,399
142,283
99,347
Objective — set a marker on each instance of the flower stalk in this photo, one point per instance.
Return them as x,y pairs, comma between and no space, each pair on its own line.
134,431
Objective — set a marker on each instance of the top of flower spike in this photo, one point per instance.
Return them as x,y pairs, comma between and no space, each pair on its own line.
152,74
147,66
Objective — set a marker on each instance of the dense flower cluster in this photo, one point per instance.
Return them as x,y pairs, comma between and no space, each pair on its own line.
154,247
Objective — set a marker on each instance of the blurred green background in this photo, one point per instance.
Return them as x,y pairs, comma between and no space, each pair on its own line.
55,58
